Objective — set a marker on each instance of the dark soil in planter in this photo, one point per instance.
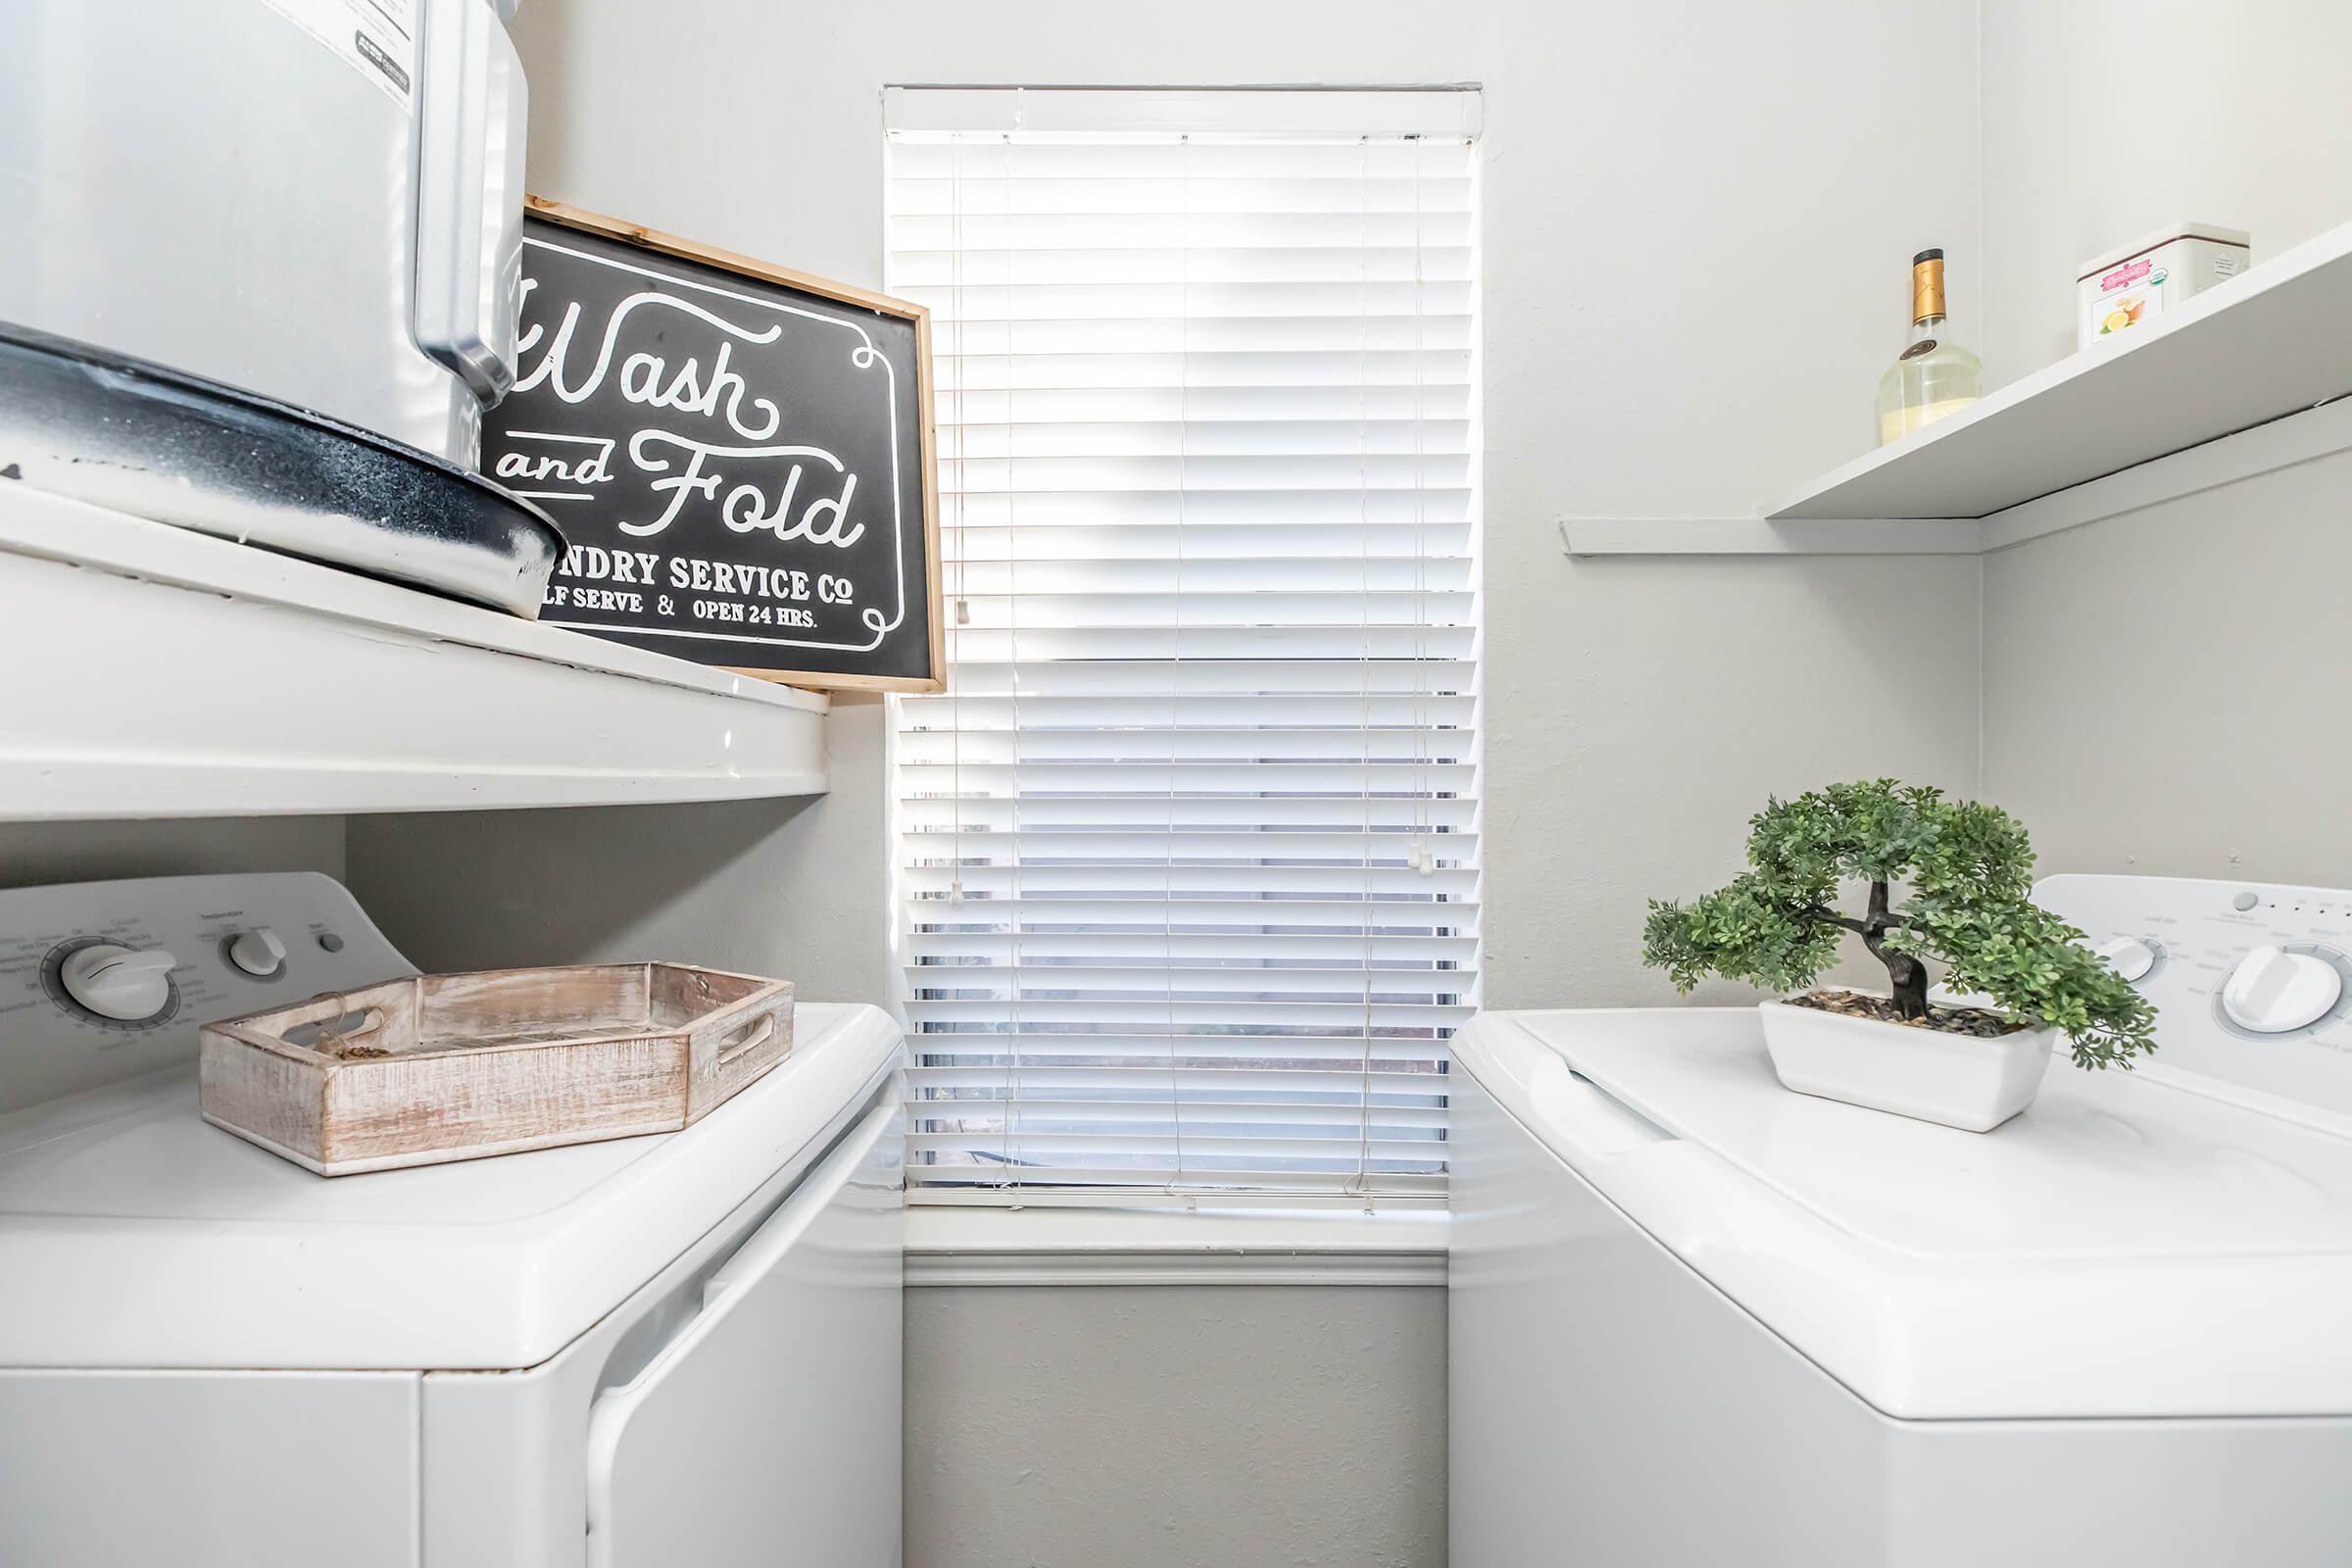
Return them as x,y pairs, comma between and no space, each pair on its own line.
1974,1021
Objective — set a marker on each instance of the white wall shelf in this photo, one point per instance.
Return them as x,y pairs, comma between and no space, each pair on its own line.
2271,343
2242,378
155,671
2280,444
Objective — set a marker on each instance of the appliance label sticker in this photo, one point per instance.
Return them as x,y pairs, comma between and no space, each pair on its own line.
377,38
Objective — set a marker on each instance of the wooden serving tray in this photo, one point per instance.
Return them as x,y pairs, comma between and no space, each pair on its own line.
456,1066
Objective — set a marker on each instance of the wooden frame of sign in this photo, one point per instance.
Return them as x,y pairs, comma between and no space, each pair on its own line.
757,506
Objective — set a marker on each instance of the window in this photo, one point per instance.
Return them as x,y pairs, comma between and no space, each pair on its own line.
1189,847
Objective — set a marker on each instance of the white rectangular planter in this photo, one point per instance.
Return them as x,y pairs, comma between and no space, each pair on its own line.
1958,1080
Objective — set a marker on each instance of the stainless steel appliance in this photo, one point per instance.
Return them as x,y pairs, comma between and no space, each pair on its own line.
319,201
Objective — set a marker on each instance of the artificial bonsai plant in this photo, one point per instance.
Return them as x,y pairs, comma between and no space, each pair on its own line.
1966,864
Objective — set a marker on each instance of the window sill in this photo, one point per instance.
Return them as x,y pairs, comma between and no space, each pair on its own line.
965,1245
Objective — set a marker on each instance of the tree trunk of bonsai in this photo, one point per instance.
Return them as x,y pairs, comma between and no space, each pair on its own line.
1907,977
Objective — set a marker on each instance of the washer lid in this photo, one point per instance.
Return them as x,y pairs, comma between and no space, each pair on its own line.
132,1234
2124,1247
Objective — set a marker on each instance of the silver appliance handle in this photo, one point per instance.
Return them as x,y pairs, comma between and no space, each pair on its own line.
470,131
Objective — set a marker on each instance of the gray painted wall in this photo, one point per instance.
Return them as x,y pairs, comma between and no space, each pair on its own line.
1176,1427
2164,690
1696,267
34,853
1688,310
1695,270
772,887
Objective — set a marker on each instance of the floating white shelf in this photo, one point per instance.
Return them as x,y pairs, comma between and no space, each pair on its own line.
2271,343
154,671
2225,386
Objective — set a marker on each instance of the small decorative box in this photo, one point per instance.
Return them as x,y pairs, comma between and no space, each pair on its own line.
2135,284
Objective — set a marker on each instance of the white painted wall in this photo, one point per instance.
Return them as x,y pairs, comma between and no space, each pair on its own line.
2161,688
2104,122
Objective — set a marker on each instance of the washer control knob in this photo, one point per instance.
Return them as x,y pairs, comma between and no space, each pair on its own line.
2272,990
2129,956
258,951
113,981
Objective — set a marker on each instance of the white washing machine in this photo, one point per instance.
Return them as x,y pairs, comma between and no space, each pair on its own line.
665,1351
1697,1319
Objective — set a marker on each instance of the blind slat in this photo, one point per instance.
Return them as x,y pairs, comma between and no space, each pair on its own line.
1320,915
1013,1054
1289,946
932,815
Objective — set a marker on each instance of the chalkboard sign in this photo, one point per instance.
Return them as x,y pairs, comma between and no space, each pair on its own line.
740,456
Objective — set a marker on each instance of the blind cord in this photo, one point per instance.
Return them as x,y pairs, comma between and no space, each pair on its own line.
1019,920
1363,667
1184,451
963,603
1423,860
962,614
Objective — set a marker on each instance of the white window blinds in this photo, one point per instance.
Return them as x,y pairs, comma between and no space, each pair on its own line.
1190,845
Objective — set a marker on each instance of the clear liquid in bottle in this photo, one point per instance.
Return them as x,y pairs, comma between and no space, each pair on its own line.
1934,377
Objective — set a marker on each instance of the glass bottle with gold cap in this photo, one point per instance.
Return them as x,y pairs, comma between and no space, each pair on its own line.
1934,377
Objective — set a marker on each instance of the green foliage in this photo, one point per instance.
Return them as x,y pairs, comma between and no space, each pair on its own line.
1969,869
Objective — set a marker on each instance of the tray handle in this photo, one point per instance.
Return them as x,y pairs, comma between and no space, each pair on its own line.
757,1033
322,1015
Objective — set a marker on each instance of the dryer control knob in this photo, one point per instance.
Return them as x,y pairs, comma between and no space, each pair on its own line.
2129,956
258,951
118,982
2272,991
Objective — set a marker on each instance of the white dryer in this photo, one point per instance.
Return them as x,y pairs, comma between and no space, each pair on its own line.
661,1351
1697,1319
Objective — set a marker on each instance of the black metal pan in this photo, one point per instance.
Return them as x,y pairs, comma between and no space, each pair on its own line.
138,437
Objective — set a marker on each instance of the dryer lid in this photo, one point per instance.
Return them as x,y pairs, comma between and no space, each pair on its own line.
2126,1247
132,1234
